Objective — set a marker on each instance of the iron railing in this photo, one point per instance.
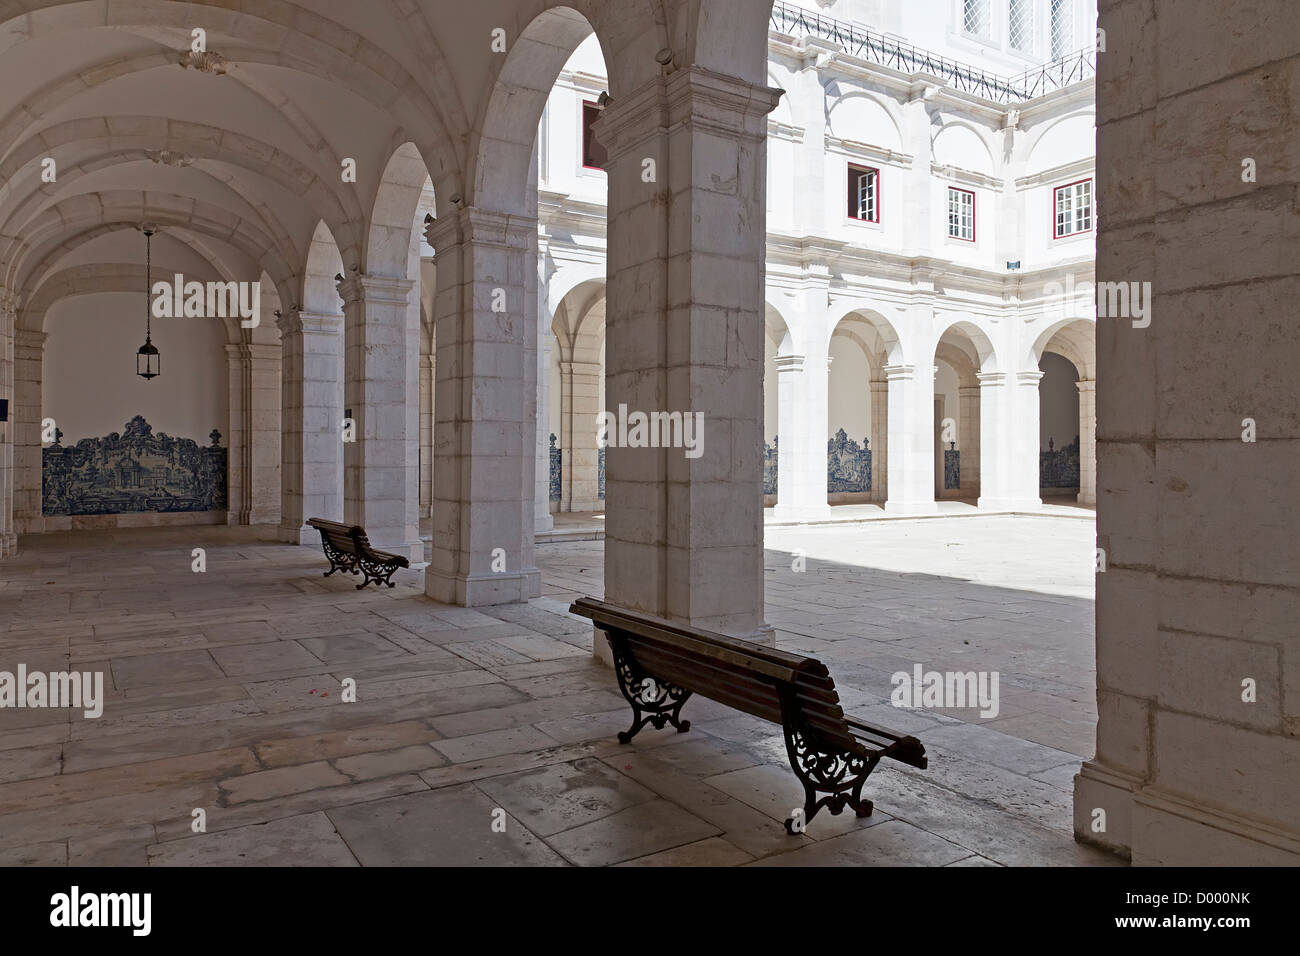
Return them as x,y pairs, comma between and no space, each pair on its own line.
906,58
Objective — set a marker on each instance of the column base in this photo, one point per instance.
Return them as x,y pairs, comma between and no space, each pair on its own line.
1009,504
895,507
482,590
544,523
1099,788
305,534
8,544
29,524
799,514
1087,498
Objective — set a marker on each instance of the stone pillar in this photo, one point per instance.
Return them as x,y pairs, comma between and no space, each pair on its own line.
800,434
1008,405
579,458
685,331
8,320
911,440
968,439
29,355
254,443
485,413
1087,441
428,367
879,441
542,519
1198,662
381,376
312,360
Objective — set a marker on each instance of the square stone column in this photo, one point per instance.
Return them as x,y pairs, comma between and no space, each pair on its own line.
968,434
427,366
1087,441
311,454
29,358
801,446
8,320
381,375
911,439
685,333
1009,440
879,441
579,459
253,482
485,414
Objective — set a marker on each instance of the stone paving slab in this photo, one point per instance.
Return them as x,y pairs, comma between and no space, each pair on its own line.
216,687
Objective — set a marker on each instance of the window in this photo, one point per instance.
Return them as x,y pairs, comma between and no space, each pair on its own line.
975,17
864,194
1073,208
593,154
961,214
1020,25
1062,28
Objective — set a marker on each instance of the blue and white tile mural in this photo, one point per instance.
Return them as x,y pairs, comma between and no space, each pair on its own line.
848,464
1059,467
136,471
556,461
951,467
600,473
769,467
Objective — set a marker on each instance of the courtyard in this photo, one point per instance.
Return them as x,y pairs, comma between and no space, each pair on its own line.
485,736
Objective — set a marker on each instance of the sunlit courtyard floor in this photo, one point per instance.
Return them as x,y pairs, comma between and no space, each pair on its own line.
223,696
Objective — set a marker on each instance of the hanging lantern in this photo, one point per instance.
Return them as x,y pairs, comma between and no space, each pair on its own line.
148,362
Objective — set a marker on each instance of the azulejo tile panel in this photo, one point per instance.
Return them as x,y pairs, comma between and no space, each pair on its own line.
135,471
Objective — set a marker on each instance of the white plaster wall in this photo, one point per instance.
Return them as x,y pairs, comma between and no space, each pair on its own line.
850,395
90,387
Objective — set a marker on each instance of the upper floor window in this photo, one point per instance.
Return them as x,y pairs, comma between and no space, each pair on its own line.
1020,25
975,18
1062,27
961,214
864,193
593,154
1073,208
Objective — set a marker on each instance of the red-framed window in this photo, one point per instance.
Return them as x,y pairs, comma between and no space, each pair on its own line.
593,154
864,193
961,214
1072,209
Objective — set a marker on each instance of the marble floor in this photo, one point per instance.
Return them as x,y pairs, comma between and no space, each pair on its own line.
486,736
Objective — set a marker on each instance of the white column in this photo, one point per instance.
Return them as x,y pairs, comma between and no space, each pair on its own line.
911,440
485,415
1025,469
879,441
968,439
1087,441
801,444
684,536
381,376
311,455
542,519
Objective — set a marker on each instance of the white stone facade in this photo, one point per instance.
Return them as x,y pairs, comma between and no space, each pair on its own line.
885,325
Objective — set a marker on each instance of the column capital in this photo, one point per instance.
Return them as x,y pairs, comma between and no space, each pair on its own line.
389,290
789,363
300,320
480,226
29,339
1086,385
580,368
726,105
899,373
990,379
1029,378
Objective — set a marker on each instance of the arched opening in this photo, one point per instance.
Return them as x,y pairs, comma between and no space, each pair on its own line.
963,352
862,346
1066,354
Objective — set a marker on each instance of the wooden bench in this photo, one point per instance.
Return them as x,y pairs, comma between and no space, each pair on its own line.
660,664
348,549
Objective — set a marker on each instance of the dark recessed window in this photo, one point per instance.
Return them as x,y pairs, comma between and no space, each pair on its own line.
593,154
864,194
